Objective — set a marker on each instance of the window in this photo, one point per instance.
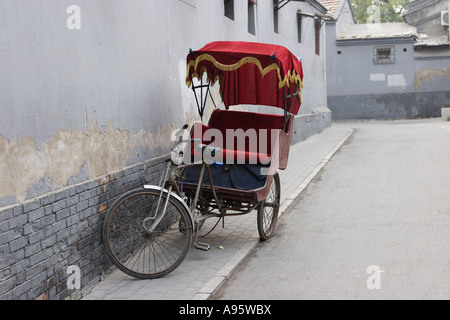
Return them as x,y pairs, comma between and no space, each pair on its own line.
317,31
229,8
251,17
383,55
299,26
275,16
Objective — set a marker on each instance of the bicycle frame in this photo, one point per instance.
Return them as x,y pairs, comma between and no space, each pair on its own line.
168,179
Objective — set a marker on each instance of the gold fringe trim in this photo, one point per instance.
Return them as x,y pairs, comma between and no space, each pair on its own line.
289,78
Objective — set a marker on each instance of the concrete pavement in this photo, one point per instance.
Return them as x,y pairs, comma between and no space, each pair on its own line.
203,272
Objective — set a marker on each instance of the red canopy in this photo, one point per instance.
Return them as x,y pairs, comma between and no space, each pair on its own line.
248,72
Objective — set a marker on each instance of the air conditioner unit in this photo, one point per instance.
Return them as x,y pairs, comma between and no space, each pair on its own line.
444,18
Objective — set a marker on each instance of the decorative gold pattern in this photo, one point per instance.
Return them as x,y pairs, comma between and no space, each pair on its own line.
289,78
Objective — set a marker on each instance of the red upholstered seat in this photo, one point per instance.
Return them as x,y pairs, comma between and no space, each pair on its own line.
243,137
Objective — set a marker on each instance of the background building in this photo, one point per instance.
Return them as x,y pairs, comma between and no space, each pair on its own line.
388,70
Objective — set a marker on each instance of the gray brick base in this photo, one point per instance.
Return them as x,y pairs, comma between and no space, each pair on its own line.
41,238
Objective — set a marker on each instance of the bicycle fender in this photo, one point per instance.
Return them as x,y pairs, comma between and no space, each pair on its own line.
158,188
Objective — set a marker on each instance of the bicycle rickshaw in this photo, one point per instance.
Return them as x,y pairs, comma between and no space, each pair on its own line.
225,168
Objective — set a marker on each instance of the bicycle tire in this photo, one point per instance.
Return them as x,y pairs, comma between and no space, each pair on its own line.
268,210
133,248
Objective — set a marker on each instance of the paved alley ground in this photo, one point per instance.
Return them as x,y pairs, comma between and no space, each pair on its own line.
374,224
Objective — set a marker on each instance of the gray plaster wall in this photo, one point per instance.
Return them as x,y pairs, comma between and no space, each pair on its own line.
432,72
310,124
373,106
351,69
432,81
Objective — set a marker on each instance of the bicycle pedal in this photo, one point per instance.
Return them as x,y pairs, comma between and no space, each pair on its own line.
202,246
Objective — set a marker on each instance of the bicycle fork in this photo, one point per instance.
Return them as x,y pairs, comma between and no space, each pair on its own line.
156,222
152,228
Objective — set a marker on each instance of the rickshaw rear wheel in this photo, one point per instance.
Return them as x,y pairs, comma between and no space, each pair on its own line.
268,210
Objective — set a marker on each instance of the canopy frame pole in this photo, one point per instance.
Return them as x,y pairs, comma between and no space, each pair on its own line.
286,103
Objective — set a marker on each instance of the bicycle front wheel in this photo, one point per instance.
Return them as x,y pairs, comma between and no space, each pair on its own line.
139,248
